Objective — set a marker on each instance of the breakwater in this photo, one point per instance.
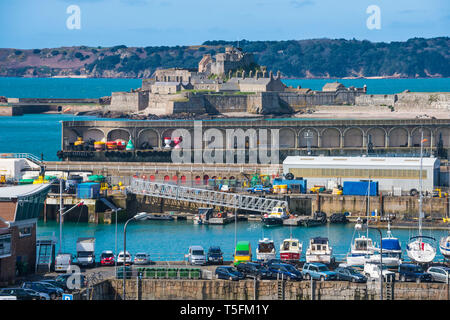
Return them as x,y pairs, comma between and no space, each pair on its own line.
265,290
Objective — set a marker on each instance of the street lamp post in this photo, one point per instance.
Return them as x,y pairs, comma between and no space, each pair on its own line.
360,226
115,241
139,216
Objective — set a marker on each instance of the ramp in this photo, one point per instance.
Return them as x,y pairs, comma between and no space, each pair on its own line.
204,196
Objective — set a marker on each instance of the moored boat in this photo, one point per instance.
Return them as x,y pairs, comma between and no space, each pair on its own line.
319,250
291,250
444,247
265,250
421,249
276,216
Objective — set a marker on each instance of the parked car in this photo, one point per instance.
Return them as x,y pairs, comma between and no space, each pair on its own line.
228,273
317,271
269,262
372,271
63,281
55,283
259,189
255,270
107,258
215,255
349,274
42,295
21,293
285,271
121,258
141,258
196,255
242,252
413,272
39,287
63,261
50,285
439,274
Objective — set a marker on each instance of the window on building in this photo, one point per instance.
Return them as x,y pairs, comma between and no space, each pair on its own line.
25,232
5,245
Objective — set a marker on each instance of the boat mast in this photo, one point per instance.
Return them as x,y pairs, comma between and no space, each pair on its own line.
420,186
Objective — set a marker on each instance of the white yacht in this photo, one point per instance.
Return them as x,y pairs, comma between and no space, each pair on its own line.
265,250
421,249
319,250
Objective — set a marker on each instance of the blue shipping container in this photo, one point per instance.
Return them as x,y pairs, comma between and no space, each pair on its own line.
296,185
88,190
360,188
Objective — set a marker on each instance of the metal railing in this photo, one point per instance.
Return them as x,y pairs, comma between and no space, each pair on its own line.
27,156
204,196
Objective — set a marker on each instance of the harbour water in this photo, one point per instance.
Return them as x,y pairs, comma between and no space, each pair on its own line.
96,88
170,240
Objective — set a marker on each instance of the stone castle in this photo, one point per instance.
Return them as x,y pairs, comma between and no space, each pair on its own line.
227,82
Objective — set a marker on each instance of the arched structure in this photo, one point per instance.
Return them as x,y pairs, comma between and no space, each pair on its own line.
377,136
118,134
331,138
353,138
398,137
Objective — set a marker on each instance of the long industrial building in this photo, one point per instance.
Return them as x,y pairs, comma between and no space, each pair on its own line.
394,174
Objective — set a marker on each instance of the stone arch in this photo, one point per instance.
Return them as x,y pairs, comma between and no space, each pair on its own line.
353,137
149,136
377,137
287,138
416,137
118,134
303,141
398,137
331,138
443,132
70,135
93,134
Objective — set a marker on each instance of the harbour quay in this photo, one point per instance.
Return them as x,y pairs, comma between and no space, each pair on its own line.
328,137
250,290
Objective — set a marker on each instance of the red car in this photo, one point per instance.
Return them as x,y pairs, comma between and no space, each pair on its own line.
107,258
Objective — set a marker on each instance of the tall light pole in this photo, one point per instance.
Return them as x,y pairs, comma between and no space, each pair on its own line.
361,226
62,213
115,240
138,217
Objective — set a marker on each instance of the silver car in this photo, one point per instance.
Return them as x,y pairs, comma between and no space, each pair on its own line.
439,274
141,258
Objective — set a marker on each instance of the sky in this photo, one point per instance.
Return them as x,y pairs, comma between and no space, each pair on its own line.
26,24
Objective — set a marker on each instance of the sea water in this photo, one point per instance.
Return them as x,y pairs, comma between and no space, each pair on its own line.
170,240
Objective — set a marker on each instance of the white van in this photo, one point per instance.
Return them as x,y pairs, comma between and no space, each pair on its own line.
196,255
63,261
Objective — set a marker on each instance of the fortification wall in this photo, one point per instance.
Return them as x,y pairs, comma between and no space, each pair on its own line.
225,103
408,101
129,101
196,104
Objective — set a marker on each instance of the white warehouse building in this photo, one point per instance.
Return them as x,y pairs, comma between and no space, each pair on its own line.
394,174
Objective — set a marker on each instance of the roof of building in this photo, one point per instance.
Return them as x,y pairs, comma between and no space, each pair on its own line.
22,191
359,161
332,86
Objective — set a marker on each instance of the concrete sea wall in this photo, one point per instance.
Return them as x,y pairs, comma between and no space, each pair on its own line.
152,289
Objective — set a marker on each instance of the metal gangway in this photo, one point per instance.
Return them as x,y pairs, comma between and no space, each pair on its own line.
204,196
